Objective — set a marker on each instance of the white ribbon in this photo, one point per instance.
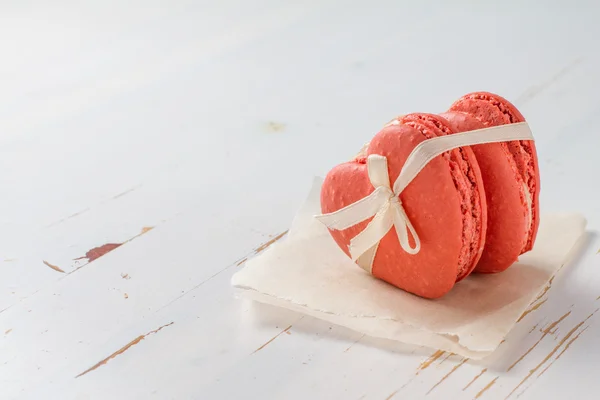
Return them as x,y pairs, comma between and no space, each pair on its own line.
384,204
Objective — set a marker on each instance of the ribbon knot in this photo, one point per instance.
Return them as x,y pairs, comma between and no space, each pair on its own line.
394,199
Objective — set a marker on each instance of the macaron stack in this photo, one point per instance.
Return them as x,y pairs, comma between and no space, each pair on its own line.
475,208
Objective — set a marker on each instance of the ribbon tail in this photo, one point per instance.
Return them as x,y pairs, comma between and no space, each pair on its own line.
403,226
366,260
379,226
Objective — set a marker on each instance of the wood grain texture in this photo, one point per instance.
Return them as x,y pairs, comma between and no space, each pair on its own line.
196,129
122,350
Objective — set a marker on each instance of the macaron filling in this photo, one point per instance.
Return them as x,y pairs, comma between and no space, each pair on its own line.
464,181
529,203
521,151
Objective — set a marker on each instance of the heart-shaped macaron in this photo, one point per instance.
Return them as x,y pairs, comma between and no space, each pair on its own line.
510,176
445,203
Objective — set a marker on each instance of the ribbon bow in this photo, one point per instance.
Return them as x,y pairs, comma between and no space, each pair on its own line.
384,203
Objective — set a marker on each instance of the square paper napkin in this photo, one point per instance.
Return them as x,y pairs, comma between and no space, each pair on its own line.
307,272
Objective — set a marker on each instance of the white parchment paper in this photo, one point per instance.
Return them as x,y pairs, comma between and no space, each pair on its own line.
307,272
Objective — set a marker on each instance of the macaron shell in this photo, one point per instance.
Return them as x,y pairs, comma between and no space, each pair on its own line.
431,202
493,110
505,198
490,109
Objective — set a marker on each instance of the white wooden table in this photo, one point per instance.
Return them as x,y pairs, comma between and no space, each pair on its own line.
189,133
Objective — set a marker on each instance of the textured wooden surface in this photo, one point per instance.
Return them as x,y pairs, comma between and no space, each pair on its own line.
149,149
